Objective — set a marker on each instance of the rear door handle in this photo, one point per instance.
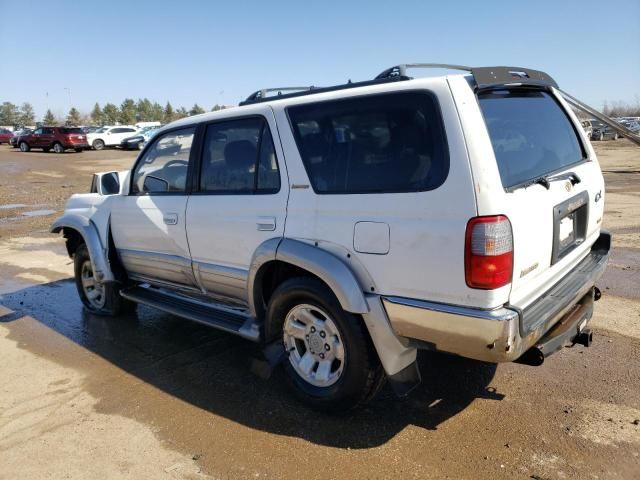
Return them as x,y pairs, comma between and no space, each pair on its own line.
266,224
170,218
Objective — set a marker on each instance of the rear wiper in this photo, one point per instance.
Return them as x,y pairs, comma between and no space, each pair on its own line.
545,181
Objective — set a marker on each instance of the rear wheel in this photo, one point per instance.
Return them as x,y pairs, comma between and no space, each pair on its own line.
615,136
97,144
331,364
24,147
101,298
58,148
601,137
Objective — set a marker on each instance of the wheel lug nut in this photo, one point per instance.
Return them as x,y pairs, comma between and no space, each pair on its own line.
327,347
313,329
307,337
322,334
322,355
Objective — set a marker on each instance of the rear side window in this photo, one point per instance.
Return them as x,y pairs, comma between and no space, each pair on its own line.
531,134
239,158
372,144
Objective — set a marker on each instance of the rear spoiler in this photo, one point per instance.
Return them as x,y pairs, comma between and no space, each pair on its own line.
487,78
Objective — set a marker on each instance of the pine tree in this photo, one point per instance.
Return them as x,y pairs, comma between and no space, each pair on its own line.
110,114
144,110
128,112
196,110
182,112
157,114
97,115
27,115
73,118
9,114
216,107
49,118
169,114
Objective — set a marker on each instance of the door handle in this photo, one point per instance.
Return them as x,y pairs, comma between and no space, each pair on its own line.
170,218
266,224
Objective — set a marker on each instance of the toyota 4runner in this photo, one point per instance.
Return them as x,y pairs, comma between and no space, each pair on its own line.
345,228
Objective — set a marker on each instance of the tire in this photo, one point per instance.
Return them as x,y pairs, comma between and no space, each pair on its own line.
615,136
601,137
24,147
310,323
58,148
98,144
97,297
78,150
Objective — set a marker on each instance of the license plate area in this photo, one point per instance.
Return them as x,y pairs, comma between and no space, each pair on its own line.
570,219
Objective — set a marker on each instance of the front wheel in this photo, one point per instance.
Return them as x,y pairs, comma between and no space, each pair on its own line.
58,148
97,144
97,297
331,364
24,147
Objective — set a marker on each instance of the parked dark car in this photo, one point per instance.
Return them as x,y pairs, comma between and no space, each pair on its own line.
139,140
14,141
600,131
5,135
57,139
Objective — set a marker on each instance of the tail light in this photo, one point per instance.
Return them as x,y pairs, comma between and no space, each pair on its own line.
488,252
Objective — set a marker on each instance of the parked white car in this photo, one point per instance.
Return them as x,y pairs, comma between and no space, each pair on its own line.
345,228
110,136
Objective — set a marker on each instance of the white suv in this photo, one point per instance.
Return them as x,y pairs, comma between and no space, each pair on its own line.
110,136
345,228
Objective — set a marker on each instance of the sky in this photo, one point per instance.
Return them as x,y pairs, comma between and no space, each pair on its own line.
61,53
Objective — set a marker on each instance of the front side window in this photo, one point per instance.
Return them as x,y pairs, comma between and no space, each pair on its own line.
234,151
165,163
372,144
531,134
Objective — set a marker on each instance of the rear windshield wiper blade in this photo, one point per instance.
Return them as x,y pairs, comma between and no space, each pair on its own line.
545,181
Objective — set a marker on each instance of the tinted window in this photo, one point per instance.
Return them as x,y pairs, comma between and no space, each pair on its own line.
233,152
530,133
71,130
373,144
164,165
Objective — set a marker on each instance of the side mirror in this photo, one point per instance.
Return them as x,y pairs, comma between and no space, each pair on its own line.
155,184
109,184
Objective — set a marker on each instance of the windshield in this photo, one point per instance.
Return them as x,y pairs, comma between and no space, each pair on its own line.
531,134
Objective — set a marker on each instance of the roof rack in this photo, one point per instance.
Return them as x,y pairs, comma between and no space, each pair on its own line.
485,77
259,96
262,94
401,70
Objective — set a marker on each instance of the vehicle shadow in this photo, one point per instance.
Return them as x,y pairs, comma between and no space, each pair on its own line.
224,374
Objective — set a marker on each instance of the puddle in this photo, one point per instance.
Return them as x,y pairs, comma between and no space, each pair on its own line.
12,205
37,213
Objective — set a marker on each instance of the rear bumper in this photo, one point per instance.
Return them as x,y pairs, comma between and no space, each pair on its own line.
76,145
506,333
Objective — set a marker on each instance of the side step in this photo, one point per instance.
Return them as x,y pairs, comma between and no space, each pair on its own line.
216,316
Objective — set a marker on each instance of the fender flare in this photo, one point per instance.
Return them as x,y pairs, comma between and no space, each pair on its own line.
323,264
89,233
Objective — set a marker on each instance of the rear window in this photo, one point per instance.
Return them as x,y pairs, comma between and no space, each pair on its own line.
372,144
71,130
531,134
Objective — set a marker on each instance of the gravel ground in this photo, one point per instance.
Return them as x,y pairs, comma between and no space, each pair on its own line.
152,396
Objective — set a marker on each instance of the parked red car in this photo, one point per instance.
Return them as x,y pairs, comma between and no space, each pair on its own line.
5,135
57,139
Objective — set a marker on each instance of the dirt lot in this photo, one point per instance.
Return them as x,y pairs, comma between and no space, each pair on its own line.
152,396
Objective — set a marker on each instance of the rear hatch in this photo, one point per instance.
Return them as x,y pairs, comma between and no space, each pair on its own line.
553,186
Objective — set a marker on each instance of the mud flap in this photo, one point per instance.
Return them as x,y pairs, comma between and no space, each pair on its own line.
406,380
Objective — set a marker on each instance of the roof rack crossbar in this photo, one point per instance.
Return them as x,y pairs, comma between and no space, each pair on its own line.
401,70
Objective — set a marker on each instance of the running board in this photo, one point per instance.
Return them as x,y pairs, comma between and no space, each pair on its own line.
213,315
